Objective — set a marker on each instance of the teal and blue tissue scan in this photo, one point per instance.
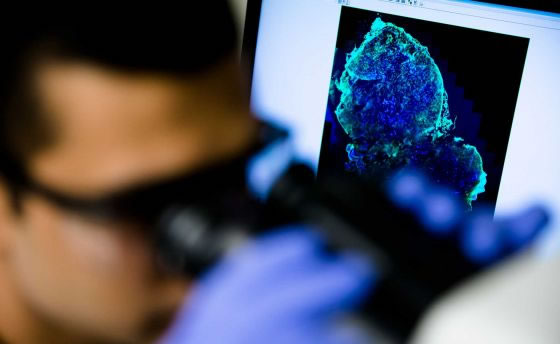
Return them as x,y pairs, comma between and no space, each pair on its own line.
408,93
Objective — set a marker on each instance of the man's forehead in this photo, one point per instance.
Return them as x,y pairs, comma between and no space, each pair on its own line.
84,94
116,128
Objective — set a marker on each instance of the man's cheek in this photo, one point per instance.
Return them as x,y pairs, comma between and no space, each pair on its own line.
82,251
68,267
67,241
96,247
107,250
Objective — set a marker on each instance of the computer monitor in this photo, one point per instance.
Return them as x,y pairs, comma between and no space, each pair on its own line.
468,91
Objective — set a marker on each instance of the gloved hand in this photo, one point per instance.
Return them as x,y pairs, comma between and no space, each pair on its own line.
483,238
281,288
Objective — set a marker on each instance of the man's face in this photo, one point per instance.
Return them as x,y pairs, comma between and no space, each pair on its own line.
114,131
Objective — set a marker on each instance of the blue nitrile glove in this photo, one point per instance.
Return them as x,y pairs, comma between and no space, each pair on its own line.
483,238
281,288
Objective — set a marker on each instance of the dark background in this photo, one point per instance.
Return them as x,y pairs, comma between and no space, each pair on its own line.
481,71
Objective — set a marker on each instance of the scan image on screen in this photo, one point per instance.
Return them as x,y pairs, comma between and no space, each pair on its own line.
411,93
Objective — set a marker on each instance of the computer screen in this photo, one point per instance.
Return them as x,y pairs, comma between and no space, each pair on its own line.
467,91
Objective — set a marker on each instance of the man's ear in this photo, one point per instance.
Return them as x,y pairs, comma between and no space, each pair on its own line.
7,217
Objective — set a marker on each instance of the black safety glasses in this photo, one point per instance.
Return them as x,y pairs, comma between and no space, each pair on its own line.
147,202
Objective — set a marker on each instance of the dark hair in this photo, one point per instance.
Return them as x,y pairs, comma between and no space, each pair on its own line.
139,38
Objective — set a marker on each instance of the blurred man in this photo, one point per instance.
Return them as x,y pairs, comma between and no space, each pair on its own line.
91,107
